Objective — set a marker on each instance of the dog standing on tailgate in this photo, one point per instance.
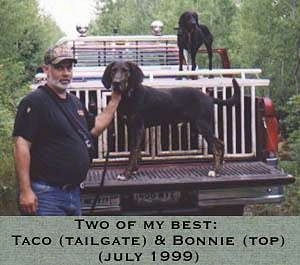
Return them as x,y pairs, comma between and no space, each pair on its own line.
190,36
145,107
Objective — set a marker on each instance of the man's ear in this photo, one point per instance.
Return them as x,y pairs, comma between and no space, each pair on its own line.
46,68
106,78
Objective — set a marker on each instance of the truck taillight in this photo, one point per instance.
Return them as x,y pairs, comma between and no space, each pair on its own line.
271,127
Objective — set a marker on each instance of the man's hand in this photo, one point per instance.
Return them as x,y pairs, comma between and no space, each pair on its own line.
105,117
28,202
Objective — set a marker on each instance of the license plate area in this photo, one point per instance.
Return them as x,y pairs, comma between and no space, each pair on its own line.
156,198
104,201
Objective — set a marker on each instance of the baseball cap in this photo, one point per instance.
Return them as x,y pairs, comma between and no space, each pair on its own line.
58,53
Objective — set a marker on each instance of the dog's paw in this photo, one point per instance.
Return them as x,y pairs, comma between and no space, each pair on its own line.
212,173
122,177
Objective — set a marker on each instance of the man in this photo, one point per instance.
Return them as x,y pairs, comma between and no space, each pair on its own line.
51,158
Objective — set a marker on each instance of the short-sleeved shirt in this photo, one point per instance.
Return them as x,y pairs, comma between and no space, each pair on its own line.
58,154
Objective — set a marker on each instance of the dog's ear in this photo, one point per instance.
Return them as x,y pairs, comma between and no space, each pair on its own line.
181,21
106,78
195,15
136,74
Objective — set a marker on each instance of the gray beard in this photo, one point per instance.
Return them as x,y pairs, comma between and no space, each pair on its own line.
60,88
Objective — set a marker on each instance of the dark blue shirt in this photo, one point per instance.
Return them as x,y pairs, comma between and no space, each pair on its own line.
58,154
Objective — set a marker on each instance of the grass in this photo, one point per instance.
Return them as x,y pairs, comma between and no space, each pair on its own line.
290,206
8,205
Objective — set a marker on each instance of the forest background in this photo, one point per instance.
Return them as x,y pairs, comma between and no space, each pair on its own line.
258,34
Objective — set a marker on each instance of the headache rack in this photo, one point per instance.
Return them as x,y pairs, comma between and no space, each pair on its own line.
146,50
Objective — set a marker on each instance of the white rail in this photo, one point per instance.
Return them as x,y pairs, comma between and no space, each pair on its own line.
236,126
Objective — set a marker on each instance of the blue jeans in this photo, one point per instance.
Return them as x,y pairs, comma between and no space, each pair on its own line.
56,201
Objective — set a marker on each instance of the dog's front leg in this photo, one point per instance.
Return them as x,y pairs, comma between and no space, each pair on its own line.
193,57
218,157
137,132
180,58
210,53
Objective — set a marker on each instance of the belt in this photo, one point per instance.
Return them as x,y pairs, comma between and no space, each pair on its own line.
60,186
67,186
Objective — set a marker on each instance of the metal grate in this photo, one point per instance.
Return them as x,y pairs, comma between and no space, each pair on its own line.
191,174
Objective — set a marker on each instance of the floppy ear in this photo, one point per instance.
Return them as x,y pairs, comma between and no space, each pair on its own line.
181,21
106,78
136,74
195,15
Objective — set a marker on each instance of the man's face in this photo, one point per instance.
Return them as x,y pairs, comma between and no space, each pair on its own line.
59,75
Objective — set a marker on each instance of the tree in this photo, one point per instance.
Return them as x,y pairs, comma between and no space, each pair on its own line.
267,36
135,16
24,36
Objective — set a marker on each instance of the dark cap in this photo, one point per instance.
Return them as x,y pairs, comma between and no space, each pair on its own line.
58,53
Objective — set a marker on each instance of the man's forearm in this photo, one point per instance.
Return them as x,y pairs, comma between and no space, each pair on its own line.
22,162
104,118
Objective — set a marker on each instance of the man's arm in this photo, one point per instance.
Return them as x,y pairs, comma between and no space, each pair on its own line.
104,118
27,199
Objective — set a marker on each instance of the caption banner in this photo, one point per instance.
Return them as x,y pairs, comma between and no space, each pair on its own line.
150,240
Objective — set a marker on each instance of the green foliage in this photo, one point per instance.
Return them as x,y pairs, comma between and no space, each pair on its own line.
24,36
25,33
266,35
294,142
291,114
135,17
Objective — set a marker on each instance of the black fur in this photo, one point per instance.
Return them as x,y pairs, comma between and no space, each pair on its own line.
145,106
190,36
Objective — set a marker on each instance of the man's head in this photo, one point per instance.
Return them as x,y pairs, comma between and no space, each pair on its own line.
59,61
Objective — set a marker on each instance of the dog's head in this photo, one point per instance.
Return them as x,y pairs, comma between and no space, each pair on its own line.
122,76
188,20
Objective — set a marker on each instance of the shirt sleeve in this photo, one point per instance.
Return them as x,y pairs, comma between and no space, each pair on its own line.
27,120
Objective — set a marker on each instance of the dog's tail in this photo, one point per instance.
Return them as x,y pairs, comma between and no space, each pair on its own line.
232,100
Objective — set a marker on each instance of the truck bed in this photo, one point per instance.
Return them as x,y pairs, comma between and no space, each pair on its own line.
170,188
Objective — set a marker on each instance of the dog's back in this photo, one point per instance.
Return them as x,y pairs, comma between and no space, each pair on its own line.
173,105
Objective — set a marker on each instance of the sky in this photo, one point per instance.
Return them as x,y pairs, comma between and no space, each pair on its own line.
69,13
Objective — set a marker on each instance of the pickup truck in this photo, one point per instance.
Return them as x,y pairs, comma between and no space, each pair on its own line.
172,179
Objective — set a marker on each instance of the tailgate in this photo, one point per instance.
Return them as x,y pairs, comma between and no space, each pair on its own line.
173,176
183,187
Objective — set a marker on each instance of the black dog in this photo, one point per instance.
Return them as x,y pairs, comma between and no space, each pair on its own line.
190,36
146,106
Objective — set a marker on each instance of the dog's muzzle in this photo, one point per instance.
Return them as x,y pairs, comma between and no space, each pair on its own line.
191,25
116,86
